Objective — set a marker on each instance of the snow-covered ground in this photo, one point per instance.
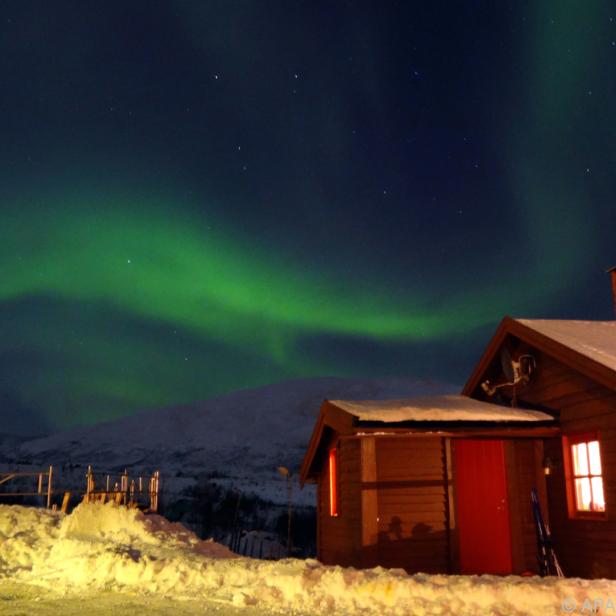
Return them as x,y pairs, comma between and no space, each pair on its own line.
18,599
109,558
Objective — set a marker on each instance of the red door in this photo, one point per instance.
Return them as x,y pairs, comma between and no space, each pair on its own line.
482,507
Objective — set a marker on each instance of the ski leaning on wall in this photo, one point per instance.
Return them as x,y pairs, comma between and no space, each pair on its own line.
548,562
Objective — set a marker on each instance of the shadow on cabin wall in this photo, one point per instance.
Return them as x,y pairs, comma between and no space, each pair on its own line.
424,550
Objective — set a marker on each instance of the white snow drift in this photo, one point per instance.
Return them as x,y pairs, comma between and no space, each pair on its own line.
105,547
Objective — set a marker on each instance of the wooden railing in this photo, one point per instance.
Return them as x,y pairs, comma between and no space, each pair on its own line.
41,490
142,492
122,489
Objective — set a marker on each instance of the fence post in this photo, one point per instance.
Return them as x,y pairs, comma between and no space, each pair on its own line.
49,479
89,484
154,486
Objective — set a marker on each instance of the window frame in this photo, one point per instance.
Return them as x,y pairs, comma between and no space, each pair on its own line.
569,441
333,481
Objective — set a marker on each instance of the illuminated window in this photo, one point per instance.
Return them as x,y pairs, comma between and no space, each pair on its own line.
586,476
333,482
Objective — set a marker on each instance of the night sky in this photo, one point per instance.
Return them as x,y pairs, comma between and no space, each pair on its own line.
203,196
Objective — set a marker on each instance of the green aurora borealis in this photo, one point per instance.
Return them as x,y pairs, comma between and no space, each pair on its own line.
176,224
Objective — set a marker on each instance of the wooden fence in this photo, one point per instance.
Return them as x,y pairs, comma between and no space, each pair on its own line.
139,491
125,490
41,490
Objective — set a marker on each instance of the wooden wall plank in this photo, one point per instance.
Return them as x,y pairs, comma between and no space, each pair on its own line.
513,498
369,502
412,504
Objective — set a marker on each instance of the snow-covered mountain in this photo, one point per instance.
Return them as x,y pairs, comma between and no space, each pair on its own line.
239,438
9,444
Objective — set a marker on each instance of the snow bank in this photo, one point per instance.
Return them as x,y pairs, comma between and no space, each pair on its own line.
113,548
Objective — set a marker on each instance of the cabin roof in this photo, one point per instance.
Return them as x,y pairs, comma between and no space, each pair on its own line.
441,416
588,347
435,408
593,339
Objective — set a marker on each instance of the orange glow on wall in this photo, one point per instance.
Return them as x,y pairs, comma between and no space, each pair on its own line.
333,482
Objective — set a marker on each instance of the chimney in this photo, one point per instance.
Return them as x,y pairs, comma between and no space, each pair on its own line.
612,273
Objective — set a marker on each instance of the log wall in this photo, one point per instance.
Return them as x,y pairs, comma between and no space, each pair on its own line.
339,537
523,461
412,504
396,500
585,547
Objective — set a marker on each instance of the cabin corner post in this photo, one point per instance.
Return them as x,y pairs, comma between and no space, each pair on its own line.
369,498
319,521
453,558
612,272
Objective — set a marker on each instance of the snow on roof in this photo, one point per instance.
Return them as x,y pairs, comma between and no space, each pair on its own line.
436,408
593,339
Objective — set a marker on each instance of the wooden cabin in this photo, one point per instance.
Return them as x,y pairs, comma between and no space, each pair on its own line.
574,379
443,484
438,484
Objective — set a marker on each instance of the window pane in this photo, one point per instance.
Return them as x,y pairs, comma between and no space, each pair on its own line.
595,458
598,500
580,459
576,463
582,494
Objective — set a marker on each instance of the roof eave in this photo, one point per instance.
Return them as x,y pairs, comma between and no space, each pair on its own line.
329,416
467,431
488,355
